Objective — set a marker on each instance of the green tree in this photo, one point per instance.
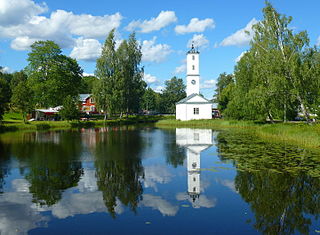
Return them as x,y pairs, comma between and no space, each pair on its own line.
105,90
51,75
150,100
21,99
70,108
134,84
5,93
225,83
173,92
278,75
120,87
18,77
87,84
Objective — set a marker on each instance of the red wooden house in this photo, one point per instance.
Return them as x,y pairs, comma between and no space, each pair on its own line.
88,104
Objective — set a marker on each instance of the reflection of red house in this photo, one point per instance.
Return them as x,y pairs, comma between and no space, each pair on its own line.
88,104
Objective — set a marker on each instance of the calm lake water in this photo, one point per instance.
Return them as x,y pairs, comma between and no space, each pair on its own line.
144,180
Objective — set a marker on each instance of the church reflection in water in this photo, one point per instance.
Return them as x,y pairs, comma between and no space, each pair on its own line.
195,141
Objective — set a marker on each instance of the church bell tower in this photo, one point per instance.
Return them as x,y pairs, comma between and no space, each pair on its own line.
193,75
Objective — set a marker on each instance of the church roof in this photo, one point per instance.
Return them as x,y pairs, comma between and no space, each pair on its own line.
187,100
193,50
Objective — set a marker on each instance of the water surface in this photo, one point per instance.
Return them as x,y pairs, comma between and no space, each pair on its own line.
145,180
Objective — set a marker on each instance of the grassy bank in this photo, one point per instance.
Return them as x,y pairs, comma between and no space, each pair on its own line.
304,135
13,122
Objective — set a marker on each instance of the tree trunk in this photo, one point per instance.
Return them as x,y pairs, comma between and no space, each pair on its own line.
304,110
270,117
285,112
24,117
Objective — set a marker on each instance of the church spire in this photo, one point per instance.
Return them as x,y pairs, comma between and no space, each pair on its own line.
193,50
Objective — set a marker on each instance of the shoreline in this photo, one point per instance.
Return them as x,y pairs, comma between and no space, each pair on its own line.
11,126
300,134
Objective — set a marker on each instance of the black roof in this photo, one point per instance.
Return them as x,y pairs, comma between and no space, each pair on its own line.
193,50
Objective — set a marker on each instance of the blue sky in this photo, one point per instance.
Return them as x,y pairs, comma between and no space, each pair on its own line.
164,29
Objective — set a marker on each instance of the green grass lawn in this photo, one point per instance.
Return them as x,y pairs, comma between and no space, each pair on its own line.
14,122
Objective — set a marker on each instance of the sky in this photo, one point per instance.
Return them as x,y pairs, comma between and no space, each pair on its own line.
164,29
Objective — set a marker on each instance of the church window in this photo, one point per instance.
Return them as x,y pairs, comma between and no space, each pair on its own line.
192,67
196,111
194,179
193,57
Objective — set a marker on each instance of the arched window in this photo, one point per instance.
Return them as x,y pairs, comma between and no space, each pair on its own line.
192,67
192,57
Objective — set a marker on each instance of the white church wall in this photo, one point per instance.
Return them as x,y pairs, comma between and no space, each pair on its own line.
205,111
181,112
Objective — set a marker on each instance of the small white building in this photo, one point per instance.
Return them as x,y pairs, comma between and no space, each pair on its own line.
194,106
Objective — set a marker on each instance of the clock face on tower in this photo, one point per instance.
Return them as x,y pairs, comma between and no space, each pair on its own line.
193,82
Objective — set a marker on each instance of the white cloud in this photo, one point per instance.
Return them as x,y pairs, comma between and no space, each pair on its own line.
82,203
22,43
229,184
61,27
241,37
6,70
154,24
195,26
156,174
152,52
93,26
158,89
180,69
87,74
86,49
18,213
208,84
148,78
198,40
21,185
156,202
14,12
240,56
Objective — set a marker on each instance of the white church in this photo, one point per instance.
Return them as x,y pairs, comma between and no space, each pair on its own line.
194,106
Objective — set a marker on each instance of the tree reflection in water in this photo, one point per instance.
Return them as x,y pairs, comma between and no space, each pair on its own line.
175,154
52,160
4,163
119,169
277,181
